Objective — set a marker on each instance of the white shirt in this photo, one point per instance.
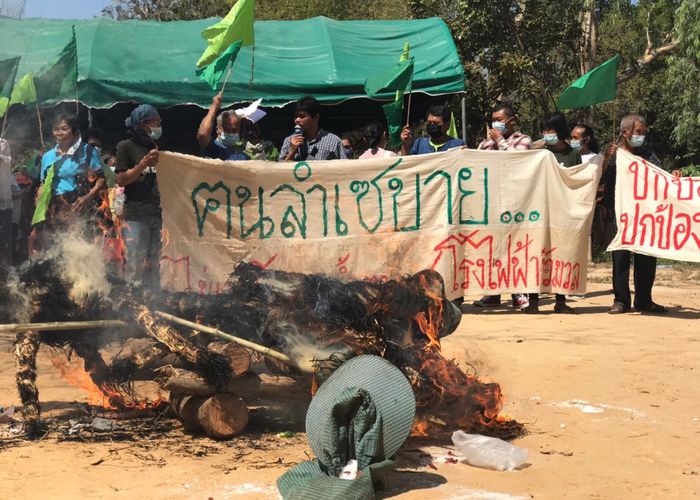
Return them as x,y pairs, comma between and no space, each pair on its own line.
6,177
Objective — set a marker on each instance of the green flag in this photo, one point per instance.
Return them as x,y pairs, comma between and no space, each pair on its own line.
214,72
452,132
399,77
596,86
237,25
404,57
394,114
8,73
42,203
59,78
24,91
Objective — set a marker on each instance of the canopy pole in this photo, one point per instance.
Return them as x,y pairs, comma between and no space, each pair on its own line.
41,128
252,74
464,119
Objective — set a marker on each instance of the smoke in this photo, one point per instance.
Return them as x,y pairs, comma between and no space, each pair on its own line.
15,302
305,354
80,263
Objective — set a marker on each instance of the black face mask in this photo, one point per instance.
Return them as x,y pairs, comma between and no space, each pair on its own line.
348,152
434,130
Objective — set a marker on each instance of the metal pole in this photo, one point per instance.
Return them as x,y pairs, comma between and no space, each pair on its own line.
464,119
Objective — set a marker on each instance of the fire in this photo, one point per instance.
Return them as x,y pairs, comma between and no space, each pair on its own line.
446,393
75,375
430,323
104,396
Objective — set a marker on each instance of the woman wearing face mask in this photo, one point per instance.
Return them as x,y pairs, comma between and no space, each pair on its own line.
555,132
375,137
71,177
583,139
135,171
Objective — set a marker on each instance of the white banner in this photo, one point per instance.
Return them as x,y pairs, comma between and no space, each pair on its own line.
488,221
656,214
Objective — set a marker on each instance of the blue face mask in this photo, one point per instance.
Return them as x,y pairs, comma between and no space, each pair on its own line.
229,140
576,144
636,141
550,139
499,127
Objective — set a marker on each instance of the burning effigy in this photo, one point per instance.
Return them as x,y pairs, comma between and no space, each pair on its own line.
273,333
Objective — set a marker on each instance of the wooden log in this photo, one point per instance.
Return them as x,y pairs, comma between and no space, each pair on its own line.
223,416
238,358
187,411
250,387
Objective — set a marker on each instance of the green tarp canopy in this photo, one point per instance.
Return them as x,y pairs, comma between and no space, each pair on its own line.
154,62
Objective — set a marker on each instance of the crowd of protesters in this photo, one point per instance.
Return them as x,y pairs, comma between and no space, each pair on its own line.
76,176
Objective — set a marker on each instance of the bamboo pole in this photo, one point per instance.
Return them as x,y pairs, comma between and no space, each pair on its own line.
227,336
228,75
41,132
60,326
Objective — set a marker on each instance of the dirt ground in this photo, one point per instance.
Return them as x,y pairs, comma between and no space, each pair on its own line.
611,403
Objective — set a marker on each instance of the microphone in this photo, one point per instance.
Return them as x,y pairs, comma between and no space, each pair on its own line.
298,130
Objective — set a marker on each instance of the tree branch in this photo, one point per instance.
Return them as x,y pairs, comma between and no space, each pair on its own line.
650,55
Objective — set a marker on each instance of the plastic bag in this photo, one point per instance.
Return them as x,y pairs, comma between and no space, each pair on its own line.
484,451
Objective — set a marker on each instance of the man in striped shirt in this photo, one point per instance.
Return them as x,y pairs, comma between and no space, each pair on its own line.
503,137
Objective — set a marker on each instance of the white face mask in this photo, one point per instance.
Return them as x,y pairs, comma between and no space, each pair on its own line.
155,133
574,143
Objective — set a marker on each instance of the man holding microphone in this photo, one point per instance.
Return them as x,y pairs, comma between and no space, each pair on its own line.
310,141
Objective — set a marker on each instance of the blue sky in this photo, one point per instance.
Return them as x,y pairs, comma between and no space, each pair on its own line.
65,9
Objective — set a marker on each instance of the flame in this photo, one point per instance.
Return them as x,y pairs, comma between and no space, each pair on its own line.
104,396
76,376
431,322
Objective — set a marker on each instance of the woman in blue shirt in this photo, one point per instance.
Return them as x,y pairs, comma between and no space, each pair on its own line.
71,171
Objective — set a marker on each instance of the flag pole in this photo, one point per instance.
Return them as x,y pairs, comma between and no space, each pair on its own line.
38,117
228,74
4,121
408,112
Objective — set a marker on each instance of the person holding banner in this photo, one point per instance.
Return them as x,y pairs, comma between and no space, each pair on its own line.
309,141
437,124
583,139
228,144
136,173
633,131
555,133
502,136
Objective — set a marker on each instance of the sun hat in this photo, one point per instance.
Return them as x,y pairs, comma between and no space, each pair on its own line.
364,411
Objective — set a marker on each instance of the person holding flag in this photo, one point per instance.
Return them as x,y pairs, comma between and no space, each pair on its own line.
228,144
71,179
437,124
